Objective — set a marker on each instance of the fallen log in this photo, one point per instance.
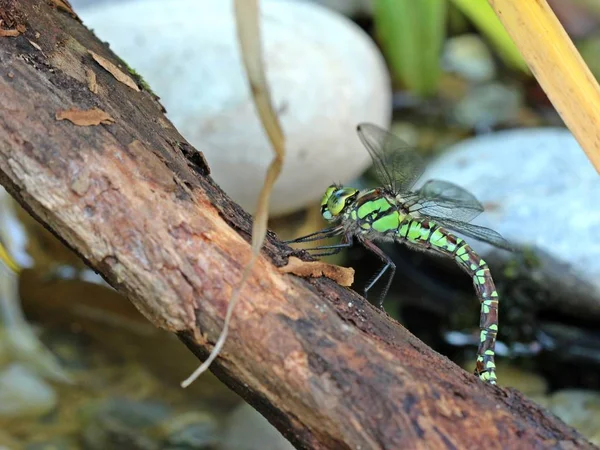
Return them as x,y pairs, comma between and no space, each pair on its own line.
94,159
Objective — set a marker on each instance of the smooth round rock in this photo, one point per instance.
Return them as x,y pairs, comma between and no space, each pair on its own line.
539,190
326,76
23,394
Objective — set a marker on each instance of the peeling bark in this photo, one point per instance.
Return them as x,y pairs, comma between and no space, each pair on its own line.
135,201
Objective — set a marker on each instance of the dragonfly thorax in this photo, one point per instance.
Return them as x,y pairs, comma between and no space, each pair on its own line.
336,200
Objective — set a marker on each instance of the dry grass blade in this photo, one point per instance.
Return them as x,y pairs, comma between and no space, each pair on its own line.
248,27
558,67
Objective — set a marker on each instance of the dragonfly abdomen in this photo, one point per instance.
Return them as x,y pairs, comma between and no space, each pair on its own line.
425,233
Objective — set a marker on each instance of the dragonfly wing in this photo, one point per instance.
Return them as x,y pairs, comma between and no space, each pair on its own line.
475,231
444,199
397,165
447,190
446,209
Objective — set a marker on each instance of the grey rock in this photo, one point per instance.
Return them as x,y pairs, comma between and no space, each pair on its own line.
488,105
540,191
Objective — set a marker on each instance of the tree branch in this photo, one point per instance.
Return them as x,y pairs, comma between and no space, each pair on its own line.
136,202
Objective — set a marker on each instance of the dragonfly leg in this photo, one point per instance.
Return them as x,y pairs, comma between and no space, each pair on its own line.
388,265
346,242
316,236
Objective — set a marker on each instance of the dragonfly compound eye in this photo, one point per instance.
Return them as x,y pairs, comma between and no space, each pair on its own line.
340,199
325,202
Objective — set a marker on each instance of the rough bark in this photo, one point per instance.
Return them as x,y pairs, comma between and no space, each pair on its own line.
137,203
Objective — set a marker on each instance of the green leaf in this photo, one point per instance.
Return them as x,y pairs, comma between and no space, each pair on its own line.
411,34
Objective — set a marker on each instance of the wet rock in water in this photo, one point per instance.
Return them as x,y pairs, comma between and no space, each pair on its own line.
488,105
246,429
123,424
147,425
326,75
24,394
190,431
52,444
540,191
577,408
469,57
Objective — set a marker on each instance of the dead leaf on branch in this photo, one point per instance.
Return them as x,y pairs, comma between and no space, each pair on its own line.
9,33
344,276
85,118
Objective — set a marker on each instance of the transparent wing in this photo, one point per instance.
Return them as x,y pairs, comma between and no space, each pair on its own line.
447,190
444,199
474,231
398,166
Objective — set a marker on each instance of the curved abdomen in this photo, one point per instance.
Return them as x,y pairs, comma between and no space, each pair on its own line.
428,235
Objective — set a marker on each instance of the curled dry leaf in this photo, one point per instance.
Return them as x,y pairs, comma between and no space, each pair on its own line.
115,71
85,118
344,276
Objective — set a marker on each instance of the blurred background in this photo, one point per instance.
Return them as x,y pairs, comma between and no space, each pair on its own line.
81,368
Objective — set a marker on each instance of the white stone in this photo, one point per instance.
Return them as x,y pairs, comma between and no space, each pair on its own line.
539,189
325,73
23,394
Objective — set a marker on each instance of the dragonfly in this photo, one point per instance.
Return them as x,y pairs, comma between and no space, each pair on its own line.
423,219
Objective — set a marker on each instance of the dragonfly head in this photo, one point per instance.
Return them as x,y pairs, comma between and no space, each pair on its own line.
336,200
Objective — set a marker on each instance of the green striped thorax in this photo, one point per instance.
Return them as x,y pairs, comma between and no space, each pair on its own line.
336,200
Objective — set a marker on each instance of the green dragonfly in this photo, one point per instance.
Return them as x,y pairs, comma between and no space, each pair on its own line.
419,218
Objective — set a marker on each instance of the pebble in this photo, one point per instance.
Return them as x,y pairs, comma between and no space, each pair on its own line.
468,56
24,394
488,105
326,76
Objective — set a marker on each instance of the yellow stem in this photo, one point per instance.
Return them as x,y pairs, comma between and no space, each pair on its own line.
558,67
